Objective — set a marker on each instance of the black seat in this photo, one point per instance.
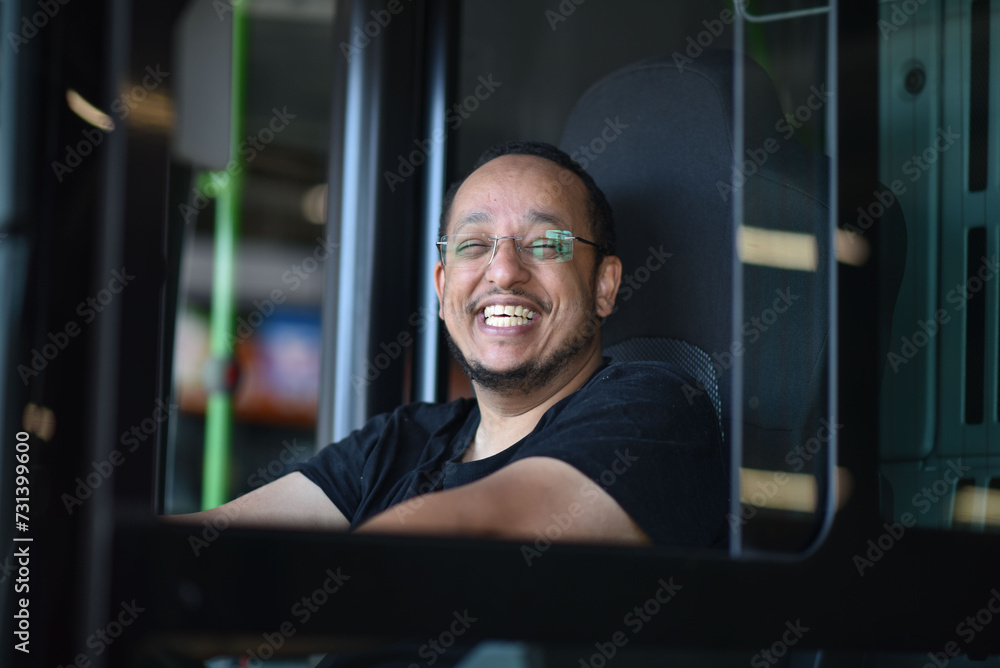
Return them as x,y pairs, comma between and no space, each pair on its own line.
668,174
688,357
658,138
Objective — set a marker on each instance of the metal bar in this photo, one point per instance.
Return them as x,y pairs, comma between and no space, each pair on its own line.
829,502
94,565
360,146
778,16
426,361
219,409
331,271
735,428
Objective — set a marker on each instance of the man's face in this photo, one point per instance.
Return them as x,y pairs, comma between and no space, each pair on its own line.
518,195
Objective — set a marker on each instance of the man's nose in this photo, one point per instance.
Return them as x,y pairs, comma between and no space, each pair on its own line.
506,268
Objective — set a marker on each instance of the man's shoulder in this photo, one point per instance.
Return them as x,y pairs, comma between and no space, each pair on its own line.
642,373
655,388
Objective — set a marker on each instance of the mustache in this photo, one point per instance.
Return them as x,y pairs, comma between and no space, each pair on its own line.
544,305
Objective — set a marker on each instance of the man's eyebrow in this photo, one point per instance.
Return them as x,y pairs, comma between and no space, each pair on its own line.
534,216
473,218
544,218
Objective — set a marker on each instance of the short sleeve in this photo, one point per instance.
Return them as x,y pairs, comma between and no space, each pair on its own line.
338,469
393,457
653,448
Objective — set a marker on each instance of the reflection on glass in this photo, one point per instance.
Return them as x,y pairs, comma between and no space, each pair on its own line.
785,250
977,507
776,248
780,490
851,248
88,112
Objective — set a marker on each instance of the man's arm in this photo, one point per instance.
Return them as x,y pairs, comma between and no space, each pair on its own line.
519,502
290,502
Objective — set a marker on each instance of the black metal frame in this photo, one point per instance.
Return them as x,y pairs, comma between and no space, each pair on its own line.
577,595
243,584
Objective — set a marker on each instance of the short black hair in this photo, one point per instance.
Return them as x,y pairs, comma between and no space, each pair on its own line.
602,220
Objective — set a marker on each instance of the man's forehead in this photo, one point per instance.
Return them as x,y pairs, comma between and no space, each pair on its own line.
537,217
533,179
511,165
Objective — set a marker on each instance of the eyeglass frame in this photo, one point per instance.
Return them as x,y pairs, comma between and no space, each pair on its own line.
496,244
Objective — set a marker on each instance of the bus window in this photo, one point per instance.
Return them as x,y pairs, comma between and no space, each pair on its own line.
755,224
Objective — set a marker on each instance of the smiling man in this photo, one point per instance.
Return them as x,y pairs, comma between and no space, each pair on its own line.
559,441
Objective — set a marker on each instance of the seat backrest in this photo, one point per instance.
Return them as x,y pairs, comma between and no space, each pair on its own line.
658,139
692,359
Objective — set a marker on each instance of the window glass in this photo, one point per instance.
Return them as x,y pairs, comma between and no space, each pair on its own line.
281,245
763,209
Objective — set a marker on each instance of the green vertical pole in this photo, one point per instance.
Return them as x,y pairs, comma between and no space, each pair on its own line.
219,410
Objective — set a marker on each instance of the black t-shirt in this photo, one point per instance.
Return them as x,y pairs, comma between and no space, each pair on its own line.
631,429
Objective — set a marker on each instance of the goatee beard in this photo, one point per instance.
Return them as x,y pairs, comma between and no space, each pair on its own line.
528,376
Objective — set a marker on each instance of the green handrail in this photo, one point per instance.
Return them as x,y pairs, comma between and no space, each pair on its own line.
219,408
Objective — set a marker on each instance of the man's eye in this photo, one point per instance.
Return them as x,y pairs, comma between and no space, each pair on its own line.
471,248
547,248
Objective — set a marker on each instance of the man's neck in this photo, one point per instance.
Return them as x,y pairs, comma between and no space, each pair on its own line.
506,419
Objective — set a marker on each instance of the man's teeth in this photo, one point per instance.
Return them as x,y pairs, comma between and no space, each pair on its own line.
507,316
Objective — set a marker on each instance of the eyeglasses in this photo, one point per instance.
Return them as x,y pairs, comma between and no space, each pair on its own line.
478,250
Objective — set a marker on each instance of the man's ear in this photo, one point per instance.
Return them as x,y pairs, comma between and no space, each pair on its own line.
609,277
439,287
